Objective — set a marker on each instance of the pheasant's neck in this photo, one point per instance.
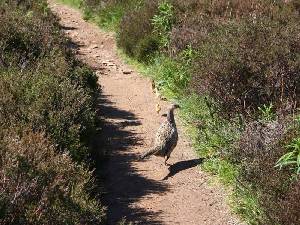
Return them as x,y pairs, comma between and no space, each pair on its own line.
170,116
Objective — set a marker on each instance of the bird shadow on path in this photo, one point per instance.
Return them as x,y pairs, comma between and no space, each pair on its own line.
183,165
123,185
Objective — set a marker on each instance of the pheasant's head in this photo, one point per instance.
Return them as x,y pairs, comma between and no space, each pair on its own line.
170,115
175,106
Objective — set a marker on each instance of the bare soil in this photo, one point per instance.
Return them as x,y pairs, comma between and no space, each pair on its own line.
143,192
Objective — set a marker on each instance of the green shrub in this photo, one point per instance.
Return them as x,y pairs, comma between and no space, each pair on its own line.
39,186
136,36
162,23
74,3
171,76
110,17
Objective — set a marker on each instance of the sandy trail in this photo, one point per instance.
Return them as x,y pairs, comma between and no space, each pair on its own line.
144,192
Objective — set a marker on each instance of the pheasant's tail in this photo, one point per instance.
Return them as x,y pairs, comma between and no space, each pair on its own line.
150,152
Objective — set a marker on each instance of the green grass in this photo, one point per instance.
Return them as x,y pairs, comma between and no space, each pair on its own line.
73,3
109,18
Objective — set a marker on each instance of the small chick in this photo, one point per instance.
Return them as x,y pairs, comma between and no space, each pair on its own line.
153,86
157,108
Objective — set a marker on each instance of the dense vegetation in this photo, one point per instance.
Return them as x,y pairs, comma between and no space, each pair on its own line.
234,67
47,122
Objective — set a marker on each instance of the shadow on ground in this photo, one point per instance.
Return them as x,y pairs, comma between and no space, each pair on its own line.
183,165
67,27
123,185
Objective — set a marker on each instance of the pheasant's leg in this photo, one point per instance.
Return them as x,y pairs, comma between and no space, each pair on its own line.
166,159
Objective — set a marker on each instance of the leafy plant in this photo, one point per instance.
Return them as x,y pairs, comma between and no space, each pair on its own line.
292,158
74,3
188,55
171,75
162,22
267,112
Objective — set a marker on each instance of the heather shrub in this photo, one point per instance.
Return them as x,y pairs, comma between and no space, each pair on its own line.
52,91
197,19
259,148
37,7
24,38
48,122
247,65
63,65
39,186
136,35
58,107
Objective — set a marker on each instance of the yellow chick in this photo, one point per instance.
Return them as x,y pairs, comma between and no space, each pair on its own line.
157,108
153,86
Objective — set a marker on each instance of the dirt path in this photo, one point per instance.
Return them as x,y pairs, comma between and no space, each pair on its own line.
144,192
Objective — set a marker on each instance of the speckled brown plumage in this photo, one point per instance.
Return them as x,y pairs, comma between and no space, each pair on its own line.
166,138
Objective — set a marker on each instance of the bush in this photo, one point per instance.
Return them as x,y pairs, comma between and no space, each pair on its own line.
260,147
52,91
247,65
48,103
25,37
136,36
162,23
171,76
39,186
58,107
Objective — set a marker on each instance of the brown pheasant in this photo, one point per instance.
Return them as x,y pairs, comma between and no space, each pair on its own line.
166,137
